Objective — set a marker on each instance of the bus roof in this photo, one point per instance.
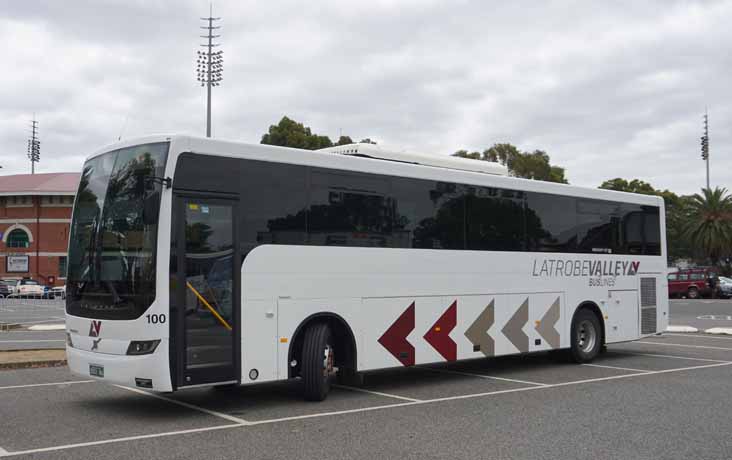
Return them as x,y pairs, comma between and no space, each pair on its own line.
325,158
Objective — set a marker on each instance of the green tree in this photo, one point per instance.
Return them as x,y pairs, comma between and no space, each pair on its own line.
633,186
466,154
344,140
710,223
529,165
289,133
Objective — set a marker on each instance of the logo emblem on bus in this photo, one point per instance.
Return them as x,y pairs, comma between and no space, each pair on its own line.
95,344
94,328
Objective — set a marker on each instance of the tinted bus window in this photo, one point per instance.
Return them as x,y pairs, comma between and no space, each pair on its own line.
555,218
652,230
273,204
434,213
598,226
292,204
349,210
495,220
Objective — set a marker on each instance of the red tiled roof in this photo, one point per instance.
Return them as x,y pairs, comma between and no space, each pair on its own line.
42,184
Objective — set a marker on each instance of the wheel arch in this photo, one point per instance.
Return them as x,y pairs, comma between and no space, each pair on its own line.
345,342
592,306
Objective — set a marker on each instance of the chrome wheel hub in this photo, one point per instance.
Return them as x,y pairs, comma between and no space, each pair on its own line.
586,336
329,362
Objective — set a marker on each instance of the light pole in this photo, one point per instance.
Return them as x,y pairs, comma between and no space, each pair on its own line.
34,146
210,64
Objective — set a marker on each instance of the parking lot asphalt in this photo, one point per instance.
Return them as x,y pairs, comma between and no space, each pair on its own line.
20,339
31,311
660,397
701,313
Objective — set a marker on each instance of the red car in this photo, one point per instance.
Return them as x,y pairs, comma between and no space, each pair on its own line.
693,283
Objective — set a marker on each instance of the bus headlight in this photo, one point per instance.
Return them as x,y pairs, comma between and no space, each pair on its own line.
69,343
142,347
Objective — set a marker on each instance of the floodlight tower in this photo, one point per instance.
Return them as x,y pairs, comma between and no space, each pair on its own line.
705,145
210,64
34,146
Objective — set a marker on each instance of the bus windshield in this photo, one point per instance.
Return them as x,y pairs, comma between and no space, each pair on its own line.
111,272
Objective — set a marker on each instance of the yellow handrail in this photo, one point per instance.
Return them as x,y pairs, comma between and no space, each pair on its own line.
215,313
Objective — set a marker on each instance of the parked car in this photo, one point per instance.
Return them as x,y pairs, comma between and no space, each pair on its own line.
693,283
59,291
27,287
10,284
725,287
5,288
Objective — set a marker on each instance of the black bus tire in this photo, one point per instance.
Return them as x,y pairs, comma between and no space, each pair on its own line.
586,337
318,357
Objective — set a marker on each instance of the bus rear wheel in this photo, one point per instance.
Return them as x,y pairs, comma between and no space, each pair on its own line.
318,362
586,336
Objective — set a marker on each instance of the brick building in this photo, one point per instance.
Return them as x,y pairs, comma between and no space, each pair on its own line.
35,213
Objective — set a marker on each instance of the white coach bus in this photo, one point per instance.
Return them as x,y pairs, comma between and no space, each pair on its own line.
201,262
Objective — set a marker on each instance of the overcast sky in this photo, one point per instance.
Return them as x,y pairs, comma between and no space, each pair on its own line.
608,89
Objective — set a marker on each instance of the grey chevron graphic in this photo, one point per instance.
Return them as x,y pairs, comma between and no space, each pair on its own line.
547,326
477,333
513,330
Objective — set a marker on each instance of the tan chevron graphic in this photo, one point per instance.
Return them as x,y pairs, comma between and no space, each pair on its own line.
477,333
513,330
547,326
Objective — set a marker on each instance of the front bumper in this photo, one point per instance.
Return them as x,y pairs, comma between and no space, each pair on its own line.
123,369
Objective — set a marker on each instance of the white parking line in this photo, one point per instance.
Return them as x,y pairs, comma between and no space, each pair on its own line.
3,452
377,393
31,341
616,367
341,412
699,336
669,356
31,385
228,417
685,346
483,376
115,440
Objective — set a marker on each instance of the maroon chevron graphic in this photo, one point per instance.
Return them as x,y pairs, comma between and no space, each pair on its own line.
395,338
439,334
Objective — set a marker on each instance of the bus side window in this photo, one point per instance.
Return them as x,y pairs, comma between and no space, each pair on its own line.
598,226
495,220
274,204
349,210
429,215
551,223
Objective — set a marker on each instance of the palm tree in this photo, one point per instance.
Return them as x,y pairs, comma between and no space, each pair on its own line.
710,222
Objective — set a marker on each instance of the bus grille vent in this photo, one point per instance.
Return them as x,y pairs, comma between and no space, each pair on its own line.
648,305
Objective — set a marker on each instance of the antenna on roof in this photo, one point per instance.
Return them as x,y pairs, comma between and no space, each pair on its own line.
124,125
34,145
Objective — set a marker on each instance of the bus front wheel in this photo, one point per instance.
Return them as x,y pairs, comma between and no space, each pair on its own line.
586,336
318,362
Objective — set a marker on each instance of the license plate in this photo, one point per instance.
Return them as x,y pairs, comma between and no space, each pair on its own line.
96,371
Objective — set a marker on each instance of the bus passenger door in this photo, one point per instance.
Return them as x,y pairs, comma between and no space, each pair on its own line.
206,303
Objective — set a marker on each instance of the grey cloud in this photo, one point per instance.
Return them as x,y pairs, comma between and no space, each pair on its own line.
607,89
